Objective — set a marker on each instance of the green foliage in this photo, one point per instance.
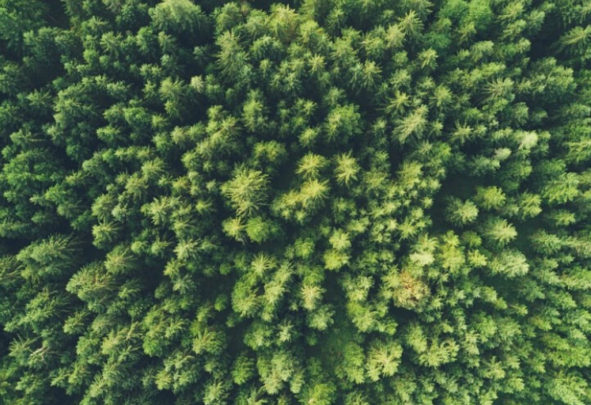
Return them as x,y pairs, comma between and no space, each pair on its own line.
246,190
312,202
178,16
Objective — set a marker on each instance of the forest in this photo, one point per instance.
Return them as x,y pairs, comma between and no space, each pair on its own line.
295,202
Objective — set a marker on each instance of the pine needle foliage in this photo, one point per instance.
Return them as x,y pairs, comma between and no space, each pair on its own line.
315,202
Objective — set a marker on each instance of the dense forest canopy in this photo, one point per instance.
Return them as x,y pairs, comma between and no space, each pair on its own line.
316,202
